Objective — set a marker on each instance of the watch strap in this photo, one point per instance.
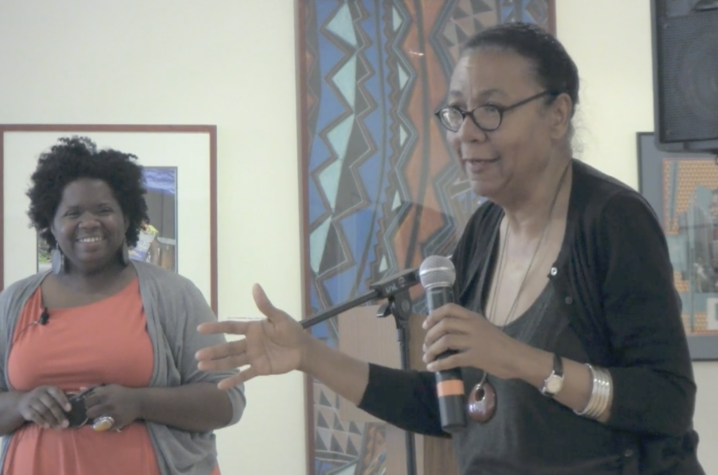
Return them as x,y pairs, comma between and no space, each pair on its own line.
556,374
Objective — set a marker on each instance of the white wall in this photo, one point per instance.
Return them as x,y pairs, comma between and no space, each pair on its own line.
231,63
610,41
223,62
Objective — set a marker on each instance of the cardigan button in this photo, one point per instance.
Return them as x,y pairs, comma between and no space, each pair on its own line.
568,300
554,271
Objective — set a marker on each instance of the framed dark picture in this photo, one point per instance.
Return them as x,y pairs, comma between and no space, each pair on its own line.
179,164
683,190
380,191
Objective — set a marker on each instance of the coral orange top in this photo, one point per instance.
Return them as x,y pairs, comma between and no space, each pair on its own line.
105,342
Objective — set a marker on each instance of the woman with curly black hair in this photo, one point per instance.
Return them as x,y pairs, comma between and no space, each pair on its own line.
97,365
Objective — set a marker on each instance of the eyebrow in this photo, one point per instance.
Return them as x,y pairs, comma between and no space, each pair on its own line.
98,205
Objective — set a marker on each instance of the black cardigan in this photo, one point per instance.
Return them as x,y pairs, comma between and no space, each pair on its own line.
614,272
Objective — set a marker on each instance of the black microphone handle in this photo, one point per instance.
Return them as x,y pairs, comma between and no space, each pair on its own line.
449,383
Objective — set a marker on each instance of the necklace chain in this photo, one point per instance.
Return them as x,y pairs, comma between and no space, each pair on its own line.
502,260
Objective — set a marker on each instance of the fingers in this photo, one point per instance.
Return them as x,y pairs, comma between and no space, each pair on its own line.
446,326
449,362
47,408
448,342
59,397
237,379
227,326
222,351
95,398
446,311
230,362
97,410
264,304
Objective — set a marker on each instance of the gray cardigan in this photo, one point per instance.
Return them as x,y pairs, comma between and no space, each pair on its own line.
174,307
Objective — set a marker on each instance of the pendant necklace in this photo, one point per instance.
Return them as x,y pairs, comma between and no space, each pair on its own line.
481,405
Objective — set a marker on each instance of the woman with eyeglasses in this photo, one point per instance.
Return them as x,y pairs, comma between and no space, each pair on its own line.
568,328
97,368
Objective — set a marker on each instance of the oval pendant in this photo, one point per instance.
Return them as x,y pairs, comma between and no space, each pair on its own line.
481,405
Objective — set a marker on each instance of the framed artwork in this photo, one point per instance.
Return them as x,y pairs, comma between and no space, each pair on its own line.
380,191
683,190
179,168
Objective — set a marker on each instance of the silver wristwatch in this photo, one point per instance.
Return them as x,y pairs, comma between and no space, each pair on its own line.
553,384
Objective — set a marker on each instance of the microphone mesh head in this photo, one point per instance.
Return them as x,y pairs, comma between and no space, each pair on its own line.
437,270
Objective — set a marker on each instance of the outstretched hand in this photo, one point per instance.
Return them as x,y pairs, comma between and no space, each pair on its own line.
270,346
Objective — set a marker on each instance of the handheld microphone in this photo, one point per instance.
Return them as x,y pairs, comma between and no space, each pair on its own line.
437,275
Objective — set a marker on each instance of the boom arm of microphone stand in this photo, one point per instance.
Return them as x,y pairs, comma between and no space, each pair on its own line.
386,288
341,308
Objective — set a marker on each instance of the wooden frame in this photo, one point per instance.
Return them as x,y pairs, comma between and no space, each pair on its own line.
379,190
192,149
682,188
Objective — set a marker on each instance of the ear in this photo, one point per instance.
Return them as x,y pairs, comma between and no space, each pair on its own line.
560,116
51,228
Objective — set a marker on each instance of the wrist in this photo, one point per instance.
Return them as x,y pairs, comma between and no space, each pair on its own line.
531,365
18,400
138,402
309,353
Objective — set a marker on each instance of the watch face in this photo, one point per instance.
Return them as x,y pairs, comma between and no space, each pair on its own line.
553,384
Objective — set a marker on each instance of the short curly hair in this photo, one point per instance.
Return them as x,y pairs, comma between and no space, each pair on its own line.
77,157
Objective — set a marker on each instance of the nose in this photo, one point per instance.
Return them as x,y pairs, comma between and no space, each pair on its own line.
470,132
88,221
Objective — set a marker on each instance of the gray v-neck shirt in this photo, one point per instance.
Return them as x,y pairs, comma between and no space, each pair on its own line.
516,439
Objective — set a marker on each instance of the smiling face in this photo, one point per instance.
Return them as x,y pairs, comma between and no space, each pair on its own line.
89,225
503,163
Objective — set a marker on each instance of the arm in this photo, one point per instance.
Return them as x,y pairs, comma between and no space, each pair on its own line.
278,344
44,405
196,407
653,387
10,417
190,400
343,374
653,390
198,400
406,399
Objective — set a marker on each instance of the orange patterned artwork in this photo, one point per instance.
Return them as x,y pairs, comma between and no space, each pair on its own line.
690,217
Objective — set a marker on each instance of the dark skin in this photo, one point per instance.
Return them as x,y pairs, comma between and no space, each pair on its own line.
90,227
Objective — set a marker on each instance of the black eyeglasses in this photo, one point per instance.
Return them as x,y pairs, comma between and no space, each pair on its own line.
487,117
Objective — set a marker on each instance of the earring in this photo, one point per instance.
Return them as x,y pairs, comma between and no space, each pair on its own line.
57,259
125,254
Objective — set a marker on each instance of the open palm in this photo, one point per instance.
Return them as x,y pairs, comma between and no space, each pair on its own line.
270,346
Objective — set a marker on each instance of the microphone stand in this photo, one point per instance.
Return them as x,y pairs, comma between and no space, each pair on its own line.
396,290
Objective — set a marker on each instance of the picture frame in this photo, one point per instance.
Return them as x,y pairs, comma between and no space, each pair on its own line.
379,188
682,188
180,168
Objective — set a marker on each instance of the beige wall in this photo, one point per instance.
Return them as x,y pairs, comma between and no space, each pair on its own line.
223,62
226,62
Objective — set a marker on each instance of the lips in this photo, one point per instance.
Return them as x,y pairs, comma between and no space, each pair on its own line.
481,160
479,165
